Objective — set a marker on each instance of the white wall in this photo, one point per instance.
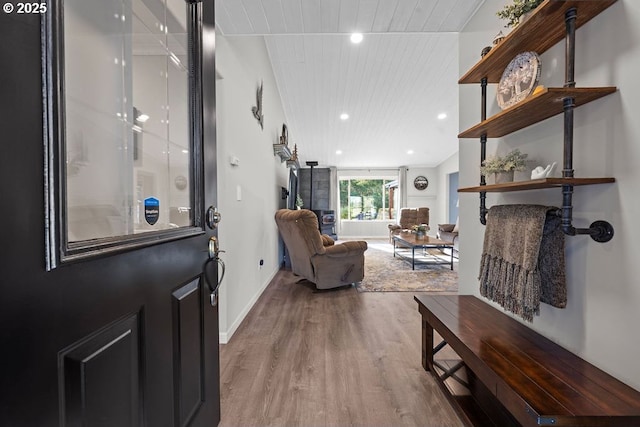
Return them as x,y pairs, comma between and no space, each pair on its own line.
248,231
355,229
428,197
601,319
441,207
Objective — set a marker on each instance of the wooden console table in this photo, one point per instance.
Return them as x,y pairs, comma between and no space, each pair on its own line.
509,375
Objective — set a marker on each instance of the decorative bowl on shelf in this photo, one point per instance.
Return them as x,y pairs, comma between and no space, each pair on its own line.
519,79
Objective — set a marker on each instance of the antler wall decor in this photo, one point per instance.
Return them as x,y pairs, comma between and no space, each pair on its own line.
257,110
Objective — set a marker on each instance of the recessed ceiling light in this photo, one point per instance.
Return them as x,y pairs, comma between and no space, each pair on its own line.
410,152
344,116
442,116
338,152
356,38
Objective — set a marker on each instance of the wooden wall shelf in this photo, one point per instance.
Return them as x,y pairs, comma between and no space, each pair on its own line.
535,184
534,109
282,151
551,21
543,29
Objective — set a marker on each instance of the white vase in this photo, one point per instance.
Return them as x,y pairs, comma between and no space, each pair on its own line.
525,16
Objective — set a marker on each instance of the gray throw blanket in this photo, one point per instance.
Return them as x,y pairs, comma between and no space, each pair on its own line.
523,259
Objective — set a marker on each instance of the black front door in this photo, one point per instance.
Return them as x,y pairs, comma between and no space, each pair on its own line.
105,328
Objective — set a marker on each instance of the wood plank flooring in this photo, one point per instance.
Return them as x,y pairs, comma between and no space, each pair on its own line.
332,358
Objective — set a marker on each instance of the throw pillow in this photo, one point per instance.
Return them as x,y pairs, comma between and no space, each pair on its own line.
447,228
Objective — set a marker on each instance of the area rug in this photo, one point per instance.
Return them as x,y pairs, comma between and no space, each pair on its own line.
384,273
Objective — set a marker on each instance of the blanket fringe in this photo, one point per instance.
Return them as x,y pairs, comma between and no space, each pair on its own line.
498,282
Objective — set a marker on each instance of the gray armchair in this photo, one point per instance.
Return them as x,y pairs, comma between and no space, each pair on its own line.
314,256
449,233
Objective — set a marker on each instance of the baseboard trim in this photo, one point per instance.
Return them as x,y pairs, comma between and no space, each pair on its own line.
224,337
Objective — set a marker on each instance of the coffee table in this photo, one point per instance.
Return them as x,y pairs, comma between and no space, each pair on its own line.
409,241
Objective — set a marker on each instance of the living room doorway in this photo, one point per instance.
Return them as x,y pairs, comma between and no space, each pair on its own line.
453,197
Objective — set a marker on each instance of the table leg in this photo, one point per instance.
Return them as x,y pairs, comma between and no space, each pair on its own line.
427,346
413,257
452,257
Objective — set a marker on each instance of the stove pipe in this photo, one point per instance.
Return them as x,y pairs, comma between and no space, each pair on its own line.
311,165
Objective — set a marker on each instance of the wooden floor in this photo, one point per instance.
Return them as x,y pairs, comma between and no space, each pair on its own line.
331,358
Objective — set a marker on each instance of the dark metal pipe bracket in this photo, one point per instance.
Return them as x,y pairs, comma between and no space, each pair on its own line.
600,231
483,151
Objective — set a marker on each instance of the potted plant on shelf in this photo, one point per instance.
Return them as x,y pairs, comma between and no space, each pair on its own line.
299,202
513,12
504,167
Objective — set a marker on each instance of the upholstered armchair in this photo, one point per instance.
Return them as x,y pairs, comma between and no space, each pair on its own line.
314,256
449,233
408,218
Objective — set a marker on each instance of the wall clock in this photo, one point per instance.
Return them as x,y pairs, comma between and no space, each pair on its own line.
421,183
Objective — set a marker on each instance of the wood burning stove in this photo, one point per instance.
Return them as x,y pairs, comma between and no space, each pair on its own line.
327,222
326,217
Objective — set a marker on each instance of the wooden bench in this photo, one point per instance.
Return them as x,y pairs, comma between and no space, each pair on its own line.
503,373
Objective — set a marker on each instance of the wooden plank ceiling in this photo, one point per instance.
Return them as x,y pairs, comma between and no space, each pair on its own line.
393,85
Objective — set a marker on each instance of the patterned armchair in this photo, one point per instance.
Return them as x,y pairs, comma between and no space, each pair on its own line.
408,218
449,233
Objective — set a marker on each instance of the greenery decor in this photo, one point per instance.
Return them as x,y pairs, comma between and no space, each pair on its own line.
512,161
512,12
422,228
299,202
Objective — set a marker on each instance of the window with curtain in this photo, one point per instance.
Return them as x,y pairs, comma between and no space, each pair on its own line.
365,198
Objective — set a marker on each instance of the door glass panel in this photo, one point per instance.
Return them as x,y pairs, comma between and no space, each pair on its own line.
127,122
